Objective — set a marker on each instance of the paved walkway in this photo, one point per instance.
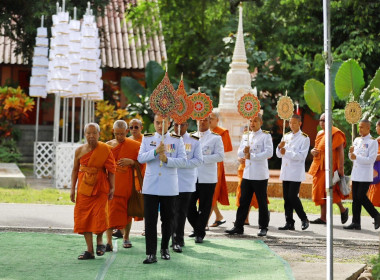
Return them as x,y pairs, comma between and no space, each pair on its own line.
51,218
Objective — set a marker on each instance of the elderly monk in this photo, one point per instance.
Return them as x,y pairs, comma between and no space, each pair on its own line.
135,128
374,188
221,191
95,188
125,151
317,170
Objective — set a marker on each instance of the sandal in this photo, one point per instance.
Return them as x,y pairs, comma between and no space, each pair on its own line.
109,248
86,255
218,223
127,243
100,249
318,221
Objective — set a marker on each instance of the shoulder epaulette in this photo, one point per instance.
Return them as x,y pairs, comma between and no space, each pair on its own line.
288,132
246,132
373,138
175,135
304,134
266,131
194,136
148,134
215,133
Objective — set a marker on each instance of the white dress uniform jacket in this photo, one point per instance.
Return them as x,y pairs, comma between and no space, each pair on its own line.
365,150
187,176
293,161
161,180
261,149
213,152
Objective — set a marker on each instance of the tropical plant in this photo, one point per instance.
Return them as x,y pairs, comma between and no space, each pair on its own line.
14,105
9,151
107,115
138,96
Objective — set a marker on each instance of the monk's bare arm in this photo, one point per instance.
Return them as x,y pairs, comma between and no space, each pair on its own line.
125,162
111,179
74,173
341,160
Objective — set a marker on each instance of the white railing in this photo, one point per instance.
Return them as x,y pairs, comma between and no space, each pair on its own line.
64,162
44,159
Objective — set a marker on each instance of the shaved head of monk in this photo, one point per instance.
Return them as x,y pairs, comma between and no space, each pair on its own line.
92,133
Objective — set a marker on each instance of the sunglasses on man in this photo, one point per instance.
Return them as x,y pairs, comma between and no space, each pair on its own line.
134,127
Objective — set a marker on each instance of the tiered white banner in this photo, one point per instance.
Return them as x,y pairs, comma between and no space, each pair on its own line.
40,65
90,82
59,80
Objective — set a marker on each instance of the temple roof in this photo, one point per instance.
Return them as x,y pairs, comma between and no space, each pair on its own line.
122,46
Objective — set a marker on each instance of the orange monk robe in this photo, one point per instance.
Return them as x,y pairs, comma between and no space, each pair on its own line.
118,214
137,182
374,189
317,168
91,212
254,202
221,191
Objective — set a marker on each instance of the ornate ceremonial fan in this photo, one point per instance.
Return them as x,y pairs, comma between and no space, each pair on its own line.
248,106
184,107
353,112
202,106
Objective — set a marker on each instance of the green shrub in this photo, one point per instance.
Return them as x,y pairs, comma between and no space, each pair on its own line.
376,268
9,151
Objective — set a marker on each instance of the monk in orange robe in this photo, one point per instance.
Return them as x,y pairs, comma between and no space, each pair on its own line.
374,189
221,191
125,151
317,170
95,188
135,128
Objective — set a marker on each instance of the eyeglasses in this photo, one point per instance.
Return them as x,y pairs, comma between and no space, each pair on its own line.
322,120
134,127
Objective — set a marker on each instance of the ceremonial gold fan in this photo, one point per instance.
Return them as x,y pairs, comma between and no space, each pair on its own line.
285,107
353,112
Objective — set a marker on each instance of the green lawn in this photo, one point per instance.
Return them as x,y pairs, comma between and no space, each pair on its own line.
54,256
62,197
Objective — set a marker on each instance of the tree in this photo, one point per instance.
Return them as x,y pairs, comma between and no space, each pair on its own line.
20,19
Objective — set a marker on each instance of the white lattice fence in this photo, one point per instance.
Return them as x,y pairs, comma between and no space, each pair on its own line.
44,159
64,164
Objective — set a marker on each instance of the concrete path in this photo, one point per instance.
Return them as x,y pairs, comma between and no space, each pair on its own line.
59,218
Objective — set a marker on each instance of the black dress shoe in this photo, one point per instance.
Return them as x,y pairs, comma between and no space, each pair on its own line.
150,259
353,226
262,232
377,221
287,226
177,248
165,254
305,224
192,235
198,239
234,230
344,216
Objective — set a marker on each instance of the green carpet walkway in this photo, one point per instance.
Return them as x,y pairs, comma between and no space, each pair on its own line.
54,256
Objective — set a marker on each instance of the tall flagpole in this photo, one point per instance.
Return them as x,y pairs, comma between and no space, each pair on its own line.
328,140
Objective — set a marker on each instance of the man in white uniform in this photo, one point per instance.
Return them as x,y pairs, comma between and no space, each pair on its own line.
363,154
187,177
293,150
160,185
256,147
213,152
